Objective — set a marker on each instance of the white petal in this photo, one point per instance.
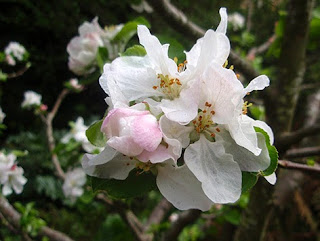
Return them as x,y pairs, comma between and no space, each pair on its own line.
180,187
242,131
271,178
185,108
222,28
219,174
266,128
258,83
222,89
6,189
158,53
105,156
133,76
118,168
246,159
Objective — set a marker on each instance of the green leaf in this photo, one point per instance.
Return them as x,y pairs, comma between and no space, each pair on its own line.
102,57
273,153
136,50
130,29
135,185
50,186
3,76
95,136
249,179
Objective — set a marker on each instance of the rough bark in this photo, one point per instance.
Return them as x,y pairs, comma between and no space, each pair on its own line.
285,93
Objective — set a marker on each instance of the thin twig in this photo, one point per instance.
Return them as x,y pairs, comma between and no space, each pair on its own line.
303,152
179,21
184,219
49,131
19,72
298,166
13,217
260,49
158,213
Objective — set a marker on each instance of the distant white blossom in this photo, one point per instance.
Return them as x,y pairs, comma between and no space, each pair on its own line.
2,116
15,50
237,21
141,7
74,83
78,133
11,176
83,49
31,98
73,183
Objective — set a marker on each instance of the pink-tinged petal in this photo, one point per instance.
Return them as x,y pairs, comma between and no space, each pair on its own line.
161,154
180,187
146,133
126,145
219,174
112,126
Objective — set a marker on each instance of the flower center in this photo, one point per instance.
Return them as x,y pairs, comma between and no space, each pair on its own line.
143,166
171,87
203,122
245,107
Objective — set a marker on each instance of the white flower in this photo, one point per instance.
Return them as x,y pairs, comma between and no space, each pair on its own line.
16,50
11,176
113,48
156,76
73,183
236,20
142,6
2,116
82,49
75,84
78,133
31,98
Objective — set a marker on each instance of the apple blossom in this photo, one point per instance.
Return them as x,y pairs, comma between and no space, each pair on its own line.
73,183
2,116
83,49
236,20
11,176
156,76
14,50
131,131
31,98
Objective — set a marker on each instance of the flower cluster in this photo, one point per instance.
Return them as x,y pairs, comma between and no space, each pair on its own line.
31,99
185,123
78,133
14,51
83,49
237,21
11,176
73,183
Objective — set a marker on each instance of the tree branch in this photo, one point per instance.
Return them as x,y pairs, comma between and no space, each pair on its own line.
303,152
185,218
179,21
288,139
13,217
19,72
298,166
260,49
